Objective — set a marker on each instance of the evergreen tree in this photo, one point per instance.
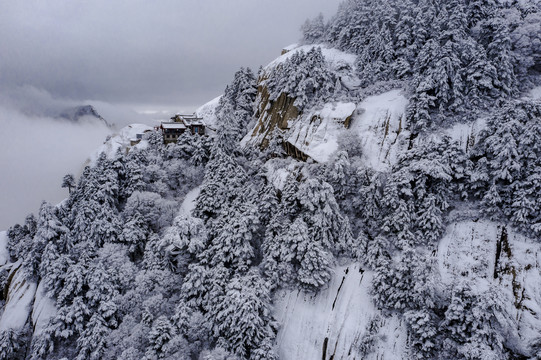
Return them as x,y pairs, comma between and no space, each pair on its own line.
68,181
244,320
313,30
49,229
474,322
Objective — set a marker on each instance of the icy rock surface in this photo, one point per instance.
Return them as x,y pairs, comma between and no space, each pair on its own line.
332,323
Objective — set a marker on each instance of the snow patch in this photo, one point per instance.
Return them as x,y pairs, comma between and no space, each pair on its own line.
4,253
19,301
44,309
334,319
466,134
119,141
208,112
467,247
334,57
380,126
189,202
535,93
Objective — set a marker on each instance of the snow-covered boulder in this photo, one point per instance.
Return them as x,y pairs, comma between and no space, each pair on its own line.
317,133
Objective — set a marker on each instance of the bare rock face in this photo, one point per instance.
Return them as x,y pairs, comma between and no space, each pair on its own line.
75,114
272,114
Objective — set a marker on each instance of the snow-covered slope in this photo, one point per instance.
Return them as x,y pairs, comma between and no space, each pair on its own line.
489,254
332,324
43,310
20,297
120,140
379,122
4,254
380,127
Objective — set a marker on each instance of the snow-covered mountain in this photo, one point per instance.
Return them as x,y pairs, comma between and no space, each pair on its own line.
370,194
77,113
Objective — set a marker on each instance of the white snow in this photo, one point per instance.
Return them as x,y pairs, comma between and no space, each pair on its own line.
466,247
19,301
334,57
316,134
208,112
277,174
189,202
339,314
44,309
4,253
466,134
291,47
175,126
118,141
380,127
535,93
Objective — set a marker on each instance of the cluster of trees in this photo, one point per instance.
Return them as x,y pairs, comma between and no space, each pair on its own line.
507,173
98,249
305,77
398,218
455,55
134,279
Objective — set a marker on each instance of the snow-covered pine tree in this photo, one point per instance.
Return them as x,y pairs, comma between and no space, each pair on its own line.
68,181
475,321
313,30
244,320
48,230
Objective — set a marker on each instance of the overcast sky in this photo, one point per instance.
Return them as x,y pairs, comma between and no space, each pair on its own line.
120,56
163,52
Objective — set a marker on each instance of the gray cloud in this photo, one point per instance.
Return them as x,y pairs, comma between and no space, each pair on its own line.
35,152
123,57
153,52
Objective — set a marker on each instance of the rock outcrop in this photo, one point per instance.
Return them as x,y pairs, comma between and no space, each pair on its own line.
272,114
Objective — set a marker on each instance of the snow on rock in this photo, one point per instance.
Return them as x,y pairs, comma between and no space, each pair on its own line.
119,141
331,323
334,57
277,174
208,112
18,301
44,309
4,253
317,133
466,134
490,254
380,126
467,247
289,48
535,93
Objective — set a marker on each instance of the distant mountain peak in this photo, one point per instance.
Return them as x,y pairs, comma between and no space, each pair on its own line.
76,113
